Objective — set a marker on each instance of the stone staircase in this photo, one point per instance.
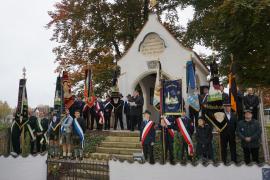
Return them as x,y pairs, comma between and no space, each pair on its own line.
119,145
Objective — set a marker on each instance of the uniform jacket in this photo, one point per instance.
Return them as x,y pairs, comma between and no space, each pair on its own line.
251,101
137,110
231,124
204,135
249,129
151,136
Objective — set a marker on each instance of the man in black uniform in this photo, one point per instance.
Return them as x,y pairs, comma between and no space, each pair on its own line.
118,112
127,111
107,112
203,100
54,134
225,96
45,126
136,107
251,101
249,131
189,125
78,150
228,135
147,137
169,125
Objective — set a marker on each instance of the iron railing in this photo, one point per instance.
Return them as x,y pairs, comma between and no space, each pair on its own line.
77,170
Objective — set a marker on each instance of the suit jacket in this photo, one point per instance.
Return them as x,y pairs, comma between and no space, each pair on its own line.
138,109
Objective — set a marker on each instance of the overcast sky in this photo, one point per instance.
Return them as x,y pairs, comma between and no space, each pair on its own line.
25,42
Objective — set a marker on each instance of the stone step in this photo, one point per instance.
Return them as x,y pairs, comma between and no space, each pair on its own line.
122,139
125,133
105,156
123,151
136,145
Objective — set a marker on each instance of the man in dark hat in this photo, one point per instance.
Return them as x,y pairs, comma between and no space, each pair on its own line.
249,131
227,136
147,137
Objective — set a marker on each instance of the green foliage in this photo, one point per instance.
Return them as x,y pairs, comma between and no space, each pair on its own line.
4,109
98,31
92,140
239,27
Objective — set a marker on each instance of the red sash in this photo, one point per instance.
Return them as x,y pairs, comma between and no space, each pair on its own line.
182,129
146,130
171,132
100,113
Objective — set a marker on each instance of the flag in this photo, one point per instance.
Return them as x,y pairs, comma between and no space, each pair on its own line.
157,90
192,99
58,97
89,97
78,130
172,97
22,106
190,75
233,88
68,97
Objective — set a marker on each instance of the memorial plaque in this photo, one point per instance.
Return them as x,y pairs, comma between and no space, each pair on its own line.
152,46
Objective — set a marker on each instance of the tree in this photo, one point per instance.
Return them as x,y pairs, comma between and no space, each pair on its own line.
4,109
98,32
240,27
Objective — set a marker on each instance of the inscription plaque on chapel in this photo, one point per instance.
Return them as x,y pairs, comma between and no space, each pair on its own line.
152,46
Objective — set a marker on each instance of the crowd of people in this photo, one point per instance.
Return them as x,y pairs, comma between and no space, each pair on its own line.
243,123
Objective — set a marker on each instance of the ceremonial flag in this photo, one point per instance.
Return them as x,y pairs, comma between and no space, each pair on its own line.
233,88
172,97
68,97
89,96
22,106
192,99
214,110
157,90
58,97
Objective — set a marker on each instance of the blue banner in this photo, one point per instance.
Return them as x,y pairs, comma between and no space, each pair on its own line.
172,97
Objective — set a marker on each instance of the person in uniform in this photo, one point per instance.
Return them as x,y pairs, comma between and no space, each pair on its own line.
251,101
225,96
204,138
249,131
136,108
32,124
147,137
107,112
118,114
53,133
42,127
78,150
66,130
127,110
189,125
228,134
203,100
168,124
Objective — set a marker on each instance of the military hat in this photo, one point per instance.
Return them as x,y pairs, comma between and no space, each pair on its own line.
248,110
147,112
